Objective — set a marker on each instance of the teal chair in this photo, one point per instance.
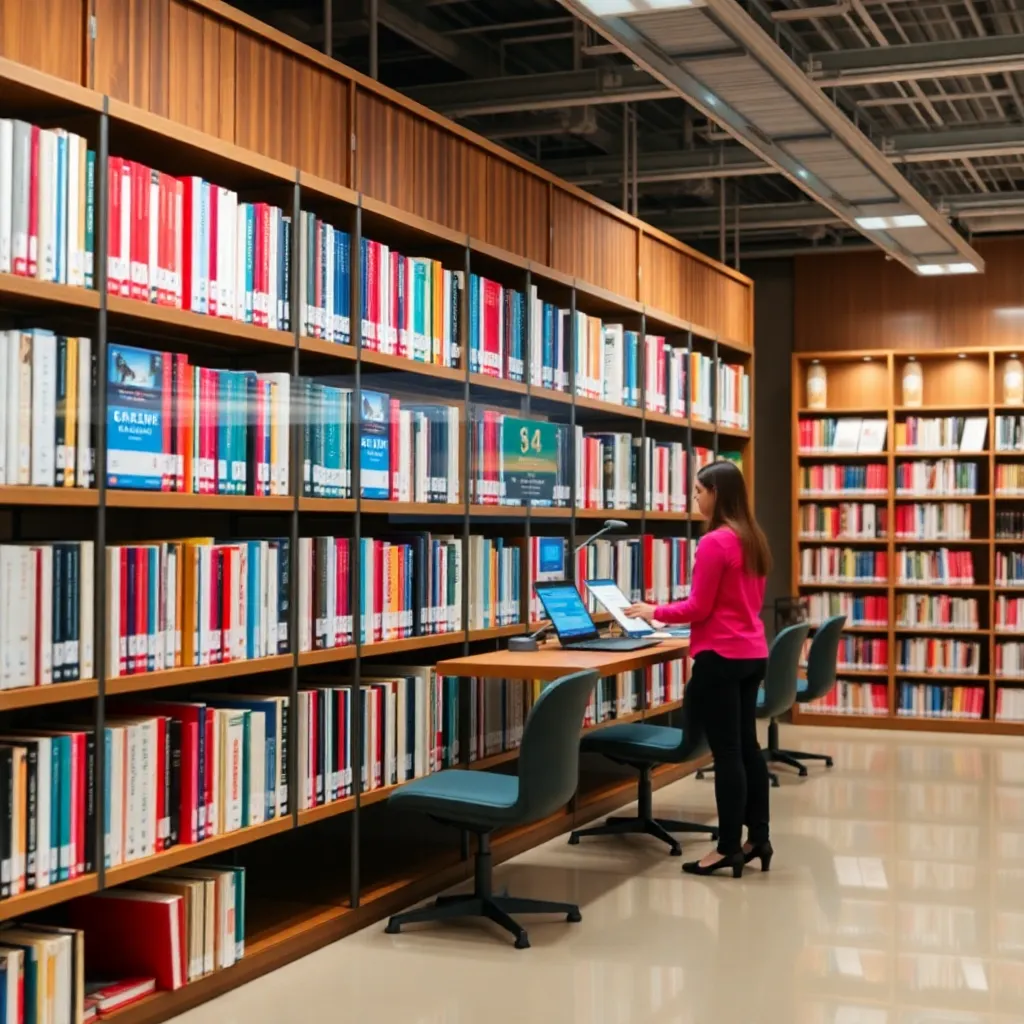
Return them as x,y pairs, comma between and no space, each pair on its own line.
481,802
821,677
778,692
644,747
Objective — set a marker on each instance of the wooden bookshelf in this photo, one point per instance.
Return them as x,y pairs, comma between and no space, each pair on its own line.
955,382
682,288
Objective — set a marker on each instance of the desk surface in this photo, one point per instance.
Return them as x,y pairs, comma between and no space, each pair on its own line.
553,661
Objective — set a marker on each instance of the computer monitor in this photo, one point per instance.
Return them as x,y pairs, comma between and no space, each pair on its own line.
566,610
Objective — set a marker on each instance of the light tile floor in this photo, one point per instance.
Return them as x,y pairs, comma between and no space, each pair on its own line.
896,897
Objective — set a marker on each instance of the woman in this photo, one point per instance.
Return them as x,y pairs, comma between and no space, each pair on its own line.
729,652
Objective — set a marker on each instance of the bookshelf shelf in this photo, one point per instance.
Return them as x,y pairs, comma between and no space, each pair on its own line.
197,674
38,899
837,456
80,496
51,693
844,541
181,150
186,854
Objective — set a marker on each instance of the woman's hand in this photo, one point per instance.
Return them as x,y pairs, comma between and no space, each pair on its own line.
641,610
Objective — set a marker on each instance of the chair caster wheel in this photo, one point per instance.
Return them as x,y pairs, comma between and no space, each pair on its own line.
574,840
714,837
523,941
700,775
676,851
829,763
574,917
392,928
803,773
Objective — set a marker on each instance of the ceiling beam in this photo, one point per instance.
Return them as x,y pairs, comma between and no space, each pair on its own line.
914,61
515,94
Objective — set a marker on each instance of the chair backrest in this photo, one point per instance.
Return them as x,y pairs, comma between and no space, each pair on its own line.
821,659
781,672
693,743
549,757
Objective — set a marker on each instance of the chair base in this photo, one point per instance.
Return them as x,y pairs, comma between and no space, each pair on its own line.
799,755
773,778
645,823
482,903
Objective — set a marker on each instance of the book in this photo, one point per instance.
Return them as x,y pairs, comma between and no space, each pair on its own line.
497,329
847,436
107,997
374,446
872,436
549,356
495,576
974,433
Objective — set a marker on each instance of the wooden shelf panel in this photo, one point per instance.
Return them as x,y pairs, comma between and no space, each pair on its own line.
186,854
411,643
196,674
497,632
81,497
311,815
838,456
669,517
332,349
938,631
28,291
937,453
330,506
401,363
37,899
666,419
51,693
836,585
966,588
737,432
497,511
860,673
330,656
843,541
484,380
550,395
549,512
609,513
608,408
410,508
200,502
941,678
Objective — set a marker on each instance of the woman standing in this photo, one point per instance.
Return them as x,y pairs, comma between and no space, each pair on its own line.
729,652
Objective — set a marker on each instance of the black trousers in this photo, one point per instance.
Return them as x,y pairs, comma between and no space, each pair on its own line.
722,697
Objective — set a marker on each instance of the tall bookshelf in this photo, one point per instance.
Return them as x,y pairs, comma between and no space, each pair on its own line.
369,889
868,384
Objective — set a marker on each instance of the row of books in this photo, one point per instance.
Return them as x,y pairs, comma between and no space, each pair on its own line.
196,601
665,478
607,361
1009,569
1009,613
1009,704
497,329
941,476
664,376
861,652
933,521
324,745
938,654
1010,433
495,583
843,565
931,700
189,244
47,204
549,342
849,698
46,409
1009,478
846,436
939,565
607,470
324,413
831,479
702,381
936,611
172,426
845,520
410,723
46,613
1009,524
1009,661
859,609
325,280
733,396
941,433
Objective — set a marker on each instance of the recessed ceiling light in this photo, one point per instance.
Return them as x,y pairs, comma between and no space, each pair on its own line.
801,173
962,268
961,355
911,359
931,269
902,220
815,362
608,8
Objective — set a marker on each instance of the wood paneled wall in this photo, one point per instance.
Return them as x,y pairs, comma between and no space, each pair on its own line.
204,64
861,301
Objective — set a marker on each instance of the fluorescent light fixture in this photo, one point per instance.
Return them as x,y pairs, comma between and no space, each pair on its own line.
609,8
902,220
934,269
801,173
667,5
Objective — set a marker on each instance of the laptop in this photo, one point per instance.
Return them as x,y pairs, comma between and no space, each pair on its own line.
572,622
613,600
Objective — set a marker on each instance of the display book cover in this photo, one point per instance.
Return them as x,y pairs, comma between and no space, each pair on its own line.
374,446
136,420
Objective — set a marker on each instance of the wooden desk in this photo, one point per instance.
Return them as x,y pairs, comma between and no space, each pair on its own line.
553,661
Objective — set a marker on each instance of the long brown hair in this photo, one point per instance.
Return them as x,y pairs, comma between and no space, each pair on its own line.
732,509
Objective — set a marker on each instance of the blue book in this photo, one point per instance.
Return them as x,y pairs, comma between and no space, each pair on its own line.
345,279
135,442
374,446
474,323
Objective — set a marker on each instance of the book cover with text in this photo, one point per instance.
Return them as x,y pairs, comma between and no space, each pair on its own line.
135,447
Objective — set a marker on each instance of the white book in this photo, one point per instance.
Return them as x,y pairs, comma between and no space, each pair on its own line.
116,647
133,793
233,737
8,617
6,402
258,767
179,242
847,436
872,436
146,835
154,272
44,408
6,193
46,266
975,431
73,213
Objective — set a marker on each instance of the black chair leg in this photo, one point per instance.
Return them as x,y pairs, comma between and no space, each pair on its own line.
645,823
482,903
774,779
781,757
802,756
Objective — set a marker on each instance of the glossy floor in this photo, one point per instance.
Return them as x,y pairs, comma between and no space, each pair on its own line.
896,897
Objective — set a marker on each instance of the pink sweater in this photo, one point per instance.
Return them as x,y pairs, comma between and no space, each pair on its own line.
724,606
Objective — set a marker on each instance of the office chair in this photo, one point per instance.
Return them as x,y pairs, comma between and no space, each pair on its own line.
644,747
481,802
778,693
821,677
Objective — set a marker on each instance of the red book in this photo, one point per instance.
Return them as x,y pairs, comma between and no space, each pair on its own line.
393,271
213,604
213,280
109,997
128,933
114,225
139,285
395,460
123,667
490,354
208,430
372,299
191,208
378,589
127,224
208,774
33,205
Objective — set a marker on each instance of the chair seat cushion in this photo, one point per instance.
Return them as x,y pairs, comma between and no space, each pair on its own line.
472,798
634,741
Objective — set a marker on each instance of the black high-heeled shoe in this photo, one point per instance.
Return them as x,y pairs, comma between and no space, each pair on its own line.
763,852
734,861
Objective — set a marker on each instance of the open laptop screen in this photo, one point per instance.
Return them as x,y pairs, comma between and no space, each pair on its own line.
565,608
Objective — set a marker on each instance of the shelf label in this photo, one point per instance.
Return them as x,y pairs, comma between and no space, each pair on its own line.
529,452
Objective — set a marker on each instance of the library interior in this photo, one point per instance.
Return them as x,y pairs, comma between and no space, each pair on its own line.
512,496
